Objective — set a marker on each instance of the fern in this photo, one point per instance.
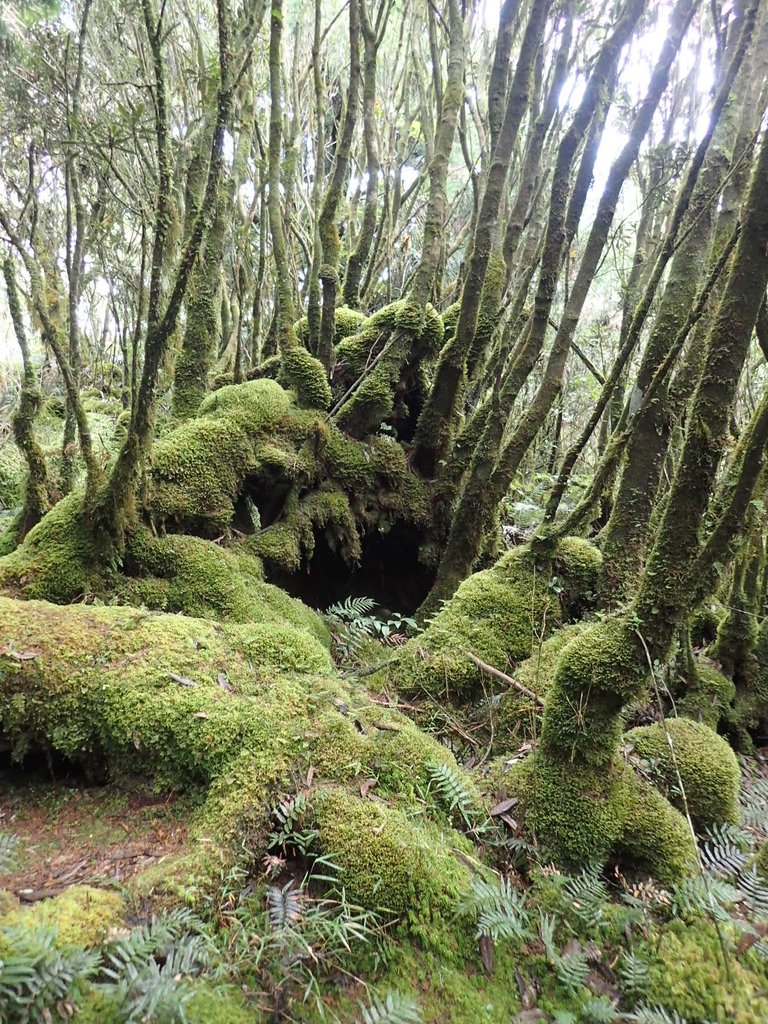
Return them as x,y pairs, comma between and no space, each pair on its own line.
755,891
36,975
702,894
9,849
658,1015
393,1009
598,1010
288,815
588,895
449,787
633,973
499,909
350,609
723,850
159,935
285,906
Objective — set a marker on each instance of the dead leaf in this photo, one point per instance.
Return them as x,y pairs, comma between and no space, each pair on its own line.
366,786
310,776
22,655
486,953
223,681
504,805
201,714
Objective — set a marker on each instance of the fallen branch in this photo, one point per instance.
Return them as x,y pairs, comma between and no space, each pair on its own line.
485,667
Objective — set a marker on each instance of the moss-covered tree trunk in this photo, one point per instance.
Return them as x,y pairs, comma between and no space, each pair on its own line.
576,786
39,491
328,227
437,416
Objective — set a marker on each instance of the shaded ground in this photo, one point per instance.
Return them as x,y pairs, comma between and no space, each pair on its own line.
72,835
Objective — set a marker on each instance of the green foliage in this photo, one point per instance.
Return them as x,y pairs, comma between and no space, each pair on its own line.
9,850
35,974
353,625
393,1009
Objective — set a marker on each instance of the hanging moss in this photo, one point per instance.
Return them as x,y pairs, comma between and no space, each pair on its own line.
292,540
705,763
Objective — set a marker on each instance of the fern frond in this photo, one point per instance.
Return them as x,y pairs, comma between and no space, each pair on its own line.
598,1010
449,786
393,1009
657,1015
633,973
587,894
36,975
755,891
9,850
285,906
350,609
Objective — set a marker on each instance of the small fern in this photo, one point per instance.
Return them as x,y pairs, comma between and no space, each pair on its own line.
350,609
588,895
393,1009
658,1015
36,975
499,910
9,850
450,790
598,1010
285,906
633,972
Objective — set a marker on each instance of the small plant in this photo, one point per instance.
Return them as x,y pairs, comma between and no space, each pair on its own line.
9,851
393,1009
353,624
450,791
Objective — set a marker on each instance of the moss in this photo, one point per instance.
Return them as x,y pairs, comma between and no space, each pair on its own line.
688,975
707,767
450,318
705,621
595,676
347,322
80,916
387,859
399,338
12,474
499,614
291,540
58,559
307,377
516,714
710,697
588,816
223,1004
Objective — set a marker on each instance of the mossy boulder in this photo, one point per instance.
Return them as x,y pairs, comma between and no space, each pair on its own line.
498,614
388,859
237,710
702,762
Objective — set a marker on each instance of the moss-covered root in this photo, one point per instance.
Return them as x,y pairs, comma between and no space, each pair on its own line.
582,800
586,816
500,615
688,753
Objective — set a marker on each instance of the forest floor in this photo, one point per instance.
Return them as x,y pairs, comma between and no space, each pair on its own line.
73,834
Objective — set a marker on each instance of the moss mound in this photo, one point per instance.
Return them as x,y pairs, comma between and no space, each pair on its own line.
710,698
235,709
517,714
589,817
387,859
688,975
705,763
499,614
80,916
